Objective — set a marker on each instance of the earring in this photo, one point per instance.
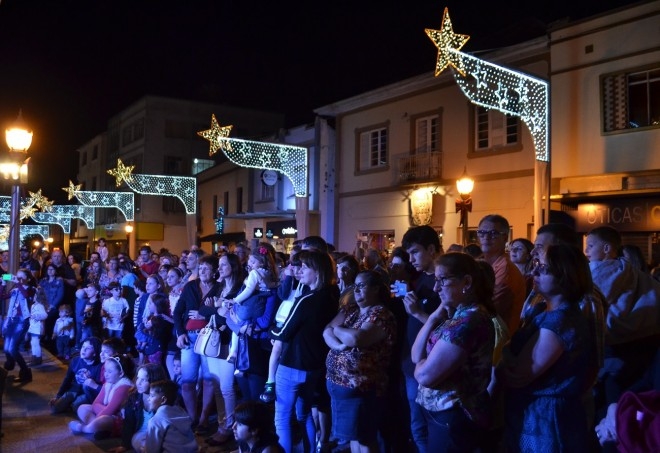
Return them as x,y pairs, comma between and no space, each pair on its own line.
464,290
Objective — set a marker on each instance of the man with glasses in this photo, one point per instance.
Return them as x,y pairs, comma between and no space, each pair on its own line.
510,286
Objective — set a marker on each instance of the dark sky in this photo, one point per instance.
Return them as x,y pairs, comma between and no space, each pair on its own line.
71,65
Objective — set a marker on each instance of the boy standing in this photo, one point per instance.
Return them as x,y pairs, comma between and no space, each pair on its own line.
170,428
114,309
64,332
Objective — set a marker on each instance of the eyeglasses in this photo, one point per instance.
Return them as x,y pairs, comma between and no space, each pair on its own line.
360,286
446,280
492,234
540,268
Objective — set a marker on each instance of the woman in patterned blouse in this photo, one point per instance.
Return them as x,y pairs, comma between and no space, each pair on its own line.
361,338
453,356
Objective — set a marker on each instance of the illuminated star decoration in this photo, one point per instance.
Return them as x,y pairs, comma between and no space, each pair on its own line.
445,39
510,92
122,172
123,201
62,215
217,136
41,201
72,189
25,231
288,159
182,187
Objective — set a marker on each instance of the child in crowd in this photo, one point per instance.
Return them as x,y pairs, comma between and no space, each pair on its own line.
90,314
254,429
102,250
81,369
63,332
136,415
170,428
102,417
38,315
154,333
262,278
110,347
114,310
176,368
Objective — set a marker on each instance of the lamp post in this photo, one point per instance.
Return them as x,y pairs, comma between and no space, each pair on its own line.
464,204
130,240
15,170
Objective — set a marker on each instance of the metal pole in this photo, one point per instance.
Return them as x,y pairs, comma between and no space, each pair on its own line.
14,229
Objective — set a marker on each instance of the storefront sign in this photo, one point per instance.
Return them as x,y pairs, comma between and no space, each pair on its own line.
629,215
283,229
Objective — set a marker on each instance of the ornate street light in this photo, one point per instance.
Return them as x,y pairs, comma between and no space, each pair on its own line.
15,170
464,204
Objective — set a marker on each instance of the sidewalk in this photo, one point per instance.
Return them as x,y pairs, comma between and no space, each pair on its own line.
28,425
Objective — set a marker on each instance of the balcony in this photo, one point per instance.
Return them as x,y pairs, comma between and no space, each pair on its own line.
421,167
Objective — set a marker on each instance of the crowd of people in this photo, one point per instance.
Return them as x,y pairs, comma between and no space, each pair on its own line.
505,345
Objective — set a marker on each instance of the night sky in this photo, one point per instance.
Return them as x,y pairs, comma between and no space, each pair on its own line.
71,65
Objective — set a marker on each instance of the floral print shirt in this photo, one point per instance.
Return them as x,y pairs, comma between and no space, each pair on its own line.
471,328
364,368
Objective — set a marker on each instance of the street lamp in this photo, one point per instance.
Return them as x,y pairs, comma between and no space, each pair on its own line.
15,170
464,204
130,240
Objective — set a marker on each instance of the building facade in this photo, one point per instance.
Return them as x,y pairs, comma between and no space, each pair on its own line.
158,136
605,85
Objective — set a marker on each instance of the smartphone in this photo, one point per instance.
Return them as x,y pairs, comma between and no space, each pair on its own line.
401,289
6,277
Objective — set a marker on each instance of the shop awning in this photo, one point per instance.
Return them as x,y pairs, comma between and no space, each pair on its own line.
224,237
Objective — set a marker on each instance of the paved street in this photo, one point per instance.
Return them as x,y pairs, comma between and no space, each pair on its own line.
28,425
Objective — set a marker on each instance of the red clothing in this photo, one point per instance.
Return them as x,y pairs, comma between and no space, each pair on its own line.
117,395
510,291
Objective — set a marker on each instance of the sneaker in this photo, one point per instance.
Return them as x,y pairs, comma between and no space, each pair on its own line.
238,373
268,395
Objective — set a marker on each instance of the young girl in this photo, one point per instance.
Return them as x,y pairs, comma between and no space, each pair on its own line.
262,278
38,315
136,416
154,334
254,429
114,310
102,416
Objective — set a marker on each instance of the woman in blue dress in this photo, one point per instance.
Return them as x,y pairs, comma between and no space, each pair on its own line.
545,367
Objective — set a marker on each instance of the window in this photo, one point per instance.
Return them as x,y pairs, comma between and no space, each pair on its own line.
631,100
83,159
174,166
133,132
225,203
267,192
95,152
239,200
494,129
200,165
427,134
372,147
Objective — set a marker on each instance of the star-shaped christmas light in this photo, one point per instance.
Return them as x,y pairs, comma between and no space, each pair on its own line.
122,172
40,201
27,210
445,39
215,135
72,189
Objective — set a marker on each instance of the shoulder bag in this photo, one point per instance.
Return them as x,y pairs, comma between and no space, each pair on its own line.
208,341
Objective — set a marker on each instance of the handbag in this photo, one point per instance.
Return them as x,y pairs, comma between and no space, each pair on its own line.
208,340
242,353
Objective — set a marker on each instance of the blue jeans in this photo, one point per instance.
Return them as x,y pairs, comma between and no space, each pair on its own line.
191,363
14,332
295,389
418,426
